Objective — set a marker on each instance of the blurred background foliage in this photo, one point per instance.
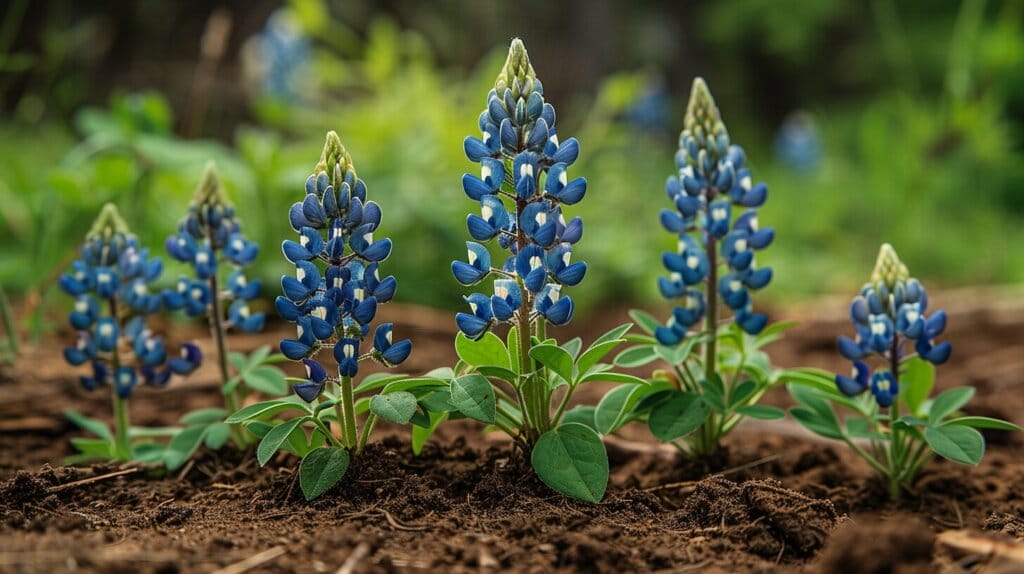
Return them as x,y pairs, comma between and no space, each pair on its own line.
870,120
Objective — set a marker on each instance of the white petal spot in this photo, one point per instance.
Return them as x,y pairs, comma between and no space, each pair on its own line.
535,262
745,183
303,240
349,350
566,257
106,330
718,213
358,294
486,212
526,170
472,257
485,172
563,179
202,258
740,245
542,218
300,273
320,312
81,306
735,286
693,262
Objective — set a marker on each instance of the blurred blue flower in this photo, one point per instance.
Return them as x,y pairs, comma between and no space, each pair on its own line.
209,235
111,287
712,183
888,312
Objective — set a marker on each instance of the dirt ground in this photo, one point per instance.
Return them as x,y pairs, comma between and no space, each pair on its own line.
782,501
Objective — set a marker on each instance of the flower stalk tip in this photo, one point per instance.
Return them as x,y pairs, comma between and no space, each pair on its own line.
335,154
517,74
889,270
209,192
108,223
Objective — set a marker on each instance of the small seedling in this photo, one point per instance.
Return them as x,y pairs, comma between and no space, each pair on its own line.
895,427
210,240
712,390
522,384
332,299
110,283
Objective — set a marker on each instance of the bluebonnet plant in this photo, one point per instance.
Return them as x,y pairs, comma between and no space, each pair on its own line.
110,283
894,329
714,215
523,187
332,299
210,241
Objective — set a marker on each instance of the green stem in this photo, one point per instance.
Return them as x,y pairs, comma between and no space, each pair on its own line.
348,404
708,439
895,440
877,466
122,443
216,318
371,420
8,319
563,404
326,431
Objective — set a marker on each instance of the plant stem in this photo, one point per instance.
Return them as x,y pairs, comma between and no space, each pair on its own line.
895,441
122,443
327,432
707,435
216,317
371,420
348,404
8,318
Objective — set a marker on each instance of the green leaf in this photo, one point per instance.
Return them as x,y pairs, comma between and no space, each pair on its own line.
203,416
595,354
818,423
217,434
573,346
612,410
958,443
513,348
96,447
502,373
474,397
714,392
259,429
376,381
438,401
614,334
762,412
275,438
266,379
555,358
396,407
679,415
984,423
636,356
644,320
489,350
772,333
94,426
741,392
238,361
321,469
581,414
148,452
183,446
916,381
571,459
607,377
420,435
264,409
418,384
948,402
258,355
815,378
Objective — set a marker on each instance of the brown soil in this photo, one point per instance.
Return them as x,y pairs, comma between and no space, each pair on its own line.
784,501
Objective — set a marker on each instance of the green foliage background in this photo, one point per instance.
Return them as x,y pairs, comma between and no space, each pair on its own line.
919,111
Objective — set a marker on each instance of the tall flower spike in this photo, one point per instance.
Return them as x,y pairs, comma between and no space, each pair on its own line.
708,192
209,236
336,288
111,286
522,188
889,312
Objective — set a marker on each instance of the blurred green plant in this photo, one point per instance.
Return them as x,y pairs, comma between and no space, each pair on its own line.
890,146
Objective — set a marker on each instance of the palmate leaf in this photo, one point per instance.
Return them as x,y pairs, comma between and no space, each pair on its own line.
571,459
397,407
474,397
958,443
678,415
555,358
948,402
489,350
321,469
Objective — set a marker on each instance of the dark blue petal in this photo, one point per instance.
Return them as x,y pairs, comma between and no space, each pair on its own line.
474,327
398,352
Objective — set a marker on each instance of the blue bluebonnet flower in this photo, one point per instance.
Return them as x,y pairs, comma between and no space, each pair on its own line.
523,184
711,186
111,286
889,312
210,235
334,295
